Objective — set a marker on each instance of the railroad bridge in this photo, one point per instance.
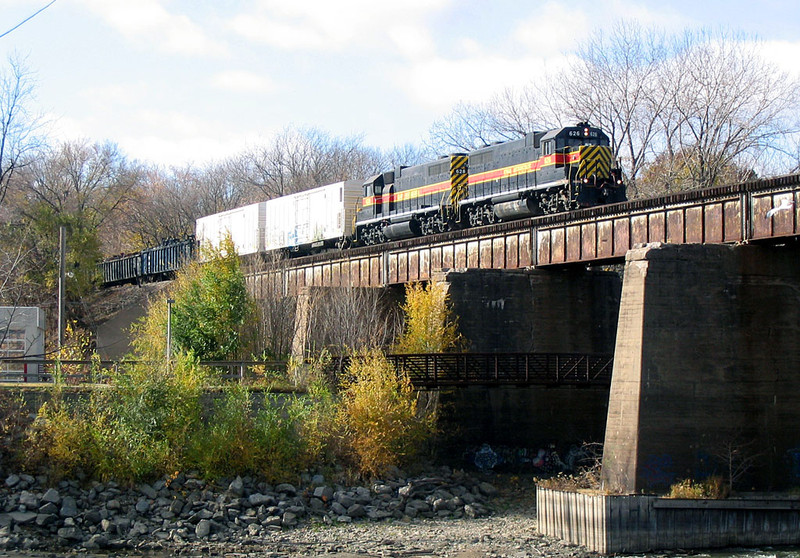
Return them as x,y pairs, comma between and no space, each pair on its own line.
723,215
704,325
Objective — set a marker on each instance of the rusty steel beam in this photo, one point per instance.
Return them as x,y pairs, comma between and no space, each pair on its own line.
728,214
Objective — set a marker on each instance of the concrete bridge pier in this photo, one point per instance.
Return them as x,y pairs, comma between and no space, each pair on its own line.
707,368
545,311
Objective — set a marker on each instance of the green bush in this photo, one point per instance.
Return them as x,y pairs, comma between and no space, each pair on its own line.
151,422
223,444
14,422
213,316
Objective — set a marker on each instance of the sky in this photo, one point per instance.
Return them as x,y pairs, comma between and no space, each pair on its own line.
176,82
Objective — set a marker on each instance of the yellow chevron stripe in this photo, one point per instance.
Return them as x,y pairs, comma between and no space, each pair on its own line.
459,179
595,160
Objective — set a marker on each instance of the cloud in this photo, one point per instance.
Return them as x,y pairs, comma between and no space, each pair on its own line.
783,54
243,82
553,28
149,22
326,25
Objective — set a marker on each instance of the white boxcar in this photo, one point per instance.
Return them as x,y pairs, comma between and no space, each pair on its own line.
244,224
312,218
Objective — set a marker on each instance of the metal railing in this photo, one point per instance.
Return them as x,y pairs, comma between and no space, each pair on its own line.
545,369
431,370
30,370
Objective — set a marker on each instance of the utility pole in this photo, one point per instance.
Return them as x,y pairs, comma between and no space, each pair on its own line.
170,301
62,276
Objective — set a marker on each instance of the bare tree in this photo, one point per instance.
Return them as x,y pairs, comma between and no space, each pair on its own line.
405,155
508,115
276,309
298,160
346,318
617,83
18,139
78,178
682,111
728,106
169,201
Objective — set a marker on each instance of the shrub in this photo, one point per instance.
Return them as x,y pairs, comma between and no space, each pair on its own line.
14,422
429,325
224,444
213,316
61,440
714,487
138,427
379,414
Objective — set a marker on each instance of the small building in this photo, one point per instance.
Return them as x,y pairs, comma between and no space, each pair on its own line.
22,336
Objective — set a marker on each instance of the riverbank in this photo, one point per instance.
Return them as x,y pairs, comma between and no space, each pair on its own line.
443,513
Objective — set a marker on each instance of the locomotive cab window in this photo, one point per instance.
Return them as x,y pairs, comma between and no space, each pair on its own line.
547,147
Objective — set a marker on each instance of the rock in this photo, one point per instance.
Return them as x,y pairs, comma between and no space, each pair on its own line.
23,518
487,489
148,491
139,528
236,487
289,520
258,499
363,495
254,529
272,520
45,519
317,480
92,517
324,493
356,511
203,529
286,488
380,488
68,507
70,533
49,507
12,480
338,509
107,526
113,504
29,500
345,499
316,504
142,506
51,496
176,506
96,541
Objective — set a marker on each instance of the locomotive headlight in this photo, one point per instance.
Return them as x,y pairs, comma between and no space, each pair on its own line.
586,132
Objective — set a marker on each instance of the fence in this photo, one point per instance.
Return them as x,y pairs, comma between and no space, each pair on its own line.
426,371
80,371
609,524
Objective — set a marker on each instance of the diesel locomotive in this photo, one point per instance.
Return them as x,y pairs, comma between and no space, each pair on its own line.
544,172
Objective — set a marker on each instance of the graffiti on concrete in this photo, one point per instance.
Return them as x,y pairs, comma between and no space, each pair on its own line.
541,461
